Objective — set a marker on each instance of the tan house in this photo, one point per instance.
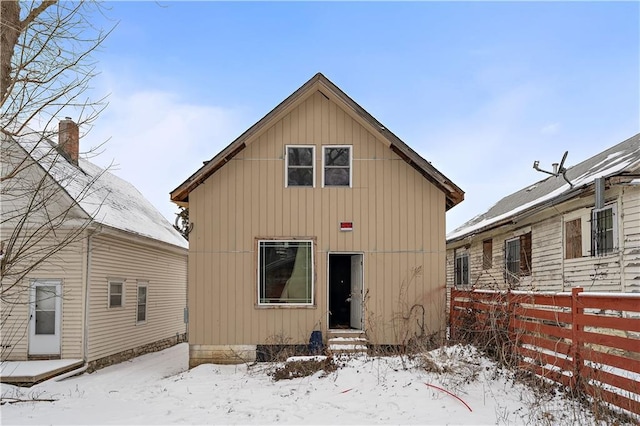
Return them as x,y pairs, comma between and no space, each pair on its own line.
90,269
317,218
578,227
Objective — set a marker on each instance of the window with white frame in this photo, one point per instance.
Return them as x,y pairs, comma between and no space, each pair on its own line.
300,160
461,268
285,272
141,311
116,293
336,165
604,231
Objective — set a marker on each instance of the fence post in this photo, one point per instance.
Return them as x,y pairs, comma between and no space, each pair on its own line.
511,316
576,338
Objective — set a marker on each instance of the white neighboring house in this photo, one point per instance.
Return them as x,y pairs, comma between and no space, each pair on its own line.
555,235
110,281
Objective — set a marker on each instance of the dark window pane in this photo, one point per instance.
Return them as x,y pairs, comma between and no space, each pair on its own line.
45,322
300,177
142,312
115,300
602,225
336,177
336,157
300,156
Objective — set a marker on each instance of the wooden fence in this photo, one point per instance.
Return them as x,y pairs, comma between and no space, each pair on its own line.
586,341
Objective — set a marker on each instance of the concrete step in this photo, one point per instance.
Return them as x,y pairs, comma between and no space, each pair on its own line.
346,341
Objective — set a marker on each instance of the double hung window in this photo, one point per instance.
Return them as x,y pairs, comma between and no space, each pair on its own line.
116,293
300,160
336,165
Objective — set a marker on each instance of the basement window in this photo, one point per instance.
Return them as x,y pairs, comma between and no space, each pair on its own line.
285,272
336,165
299,160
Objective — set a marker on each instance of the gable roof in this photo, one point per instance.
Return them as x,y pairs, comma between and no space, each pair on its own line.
319,82
103,196
619,160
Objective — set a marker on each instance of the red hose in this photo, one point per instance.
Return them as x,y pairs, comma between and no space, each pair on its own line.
453,395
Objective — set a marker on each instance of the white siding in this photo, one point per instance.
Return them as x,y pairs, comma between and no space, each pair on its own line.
618,271
112,330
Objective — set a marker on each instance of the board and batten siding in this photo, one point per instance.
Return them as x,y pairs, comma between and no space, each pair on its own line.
66,266
163,268
398,224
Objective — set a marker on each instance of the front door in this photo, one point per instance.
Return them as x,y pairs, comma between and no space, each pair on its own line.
345,291
45,318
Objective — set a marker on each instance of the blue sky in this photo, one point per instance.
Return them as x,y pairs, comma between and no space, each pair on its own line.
479,89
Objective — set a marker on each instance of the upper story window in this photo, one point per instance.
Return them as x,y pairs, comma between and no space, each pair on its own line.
604,231
461,268
285,272
300,160
517,257
336,165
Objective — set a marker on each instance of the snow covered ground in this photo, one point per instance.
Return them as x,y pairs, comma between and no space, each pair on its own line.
158,388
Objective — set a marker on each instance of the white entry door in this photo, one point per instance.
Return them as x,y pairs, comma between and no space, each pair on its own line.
356,292
45,318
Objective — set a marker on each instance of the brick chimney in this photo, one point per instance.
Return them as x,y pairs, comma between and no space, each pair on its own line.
69,139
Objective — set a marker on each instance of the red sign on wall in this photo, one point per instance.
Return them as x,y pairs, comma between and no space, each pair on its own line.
346,226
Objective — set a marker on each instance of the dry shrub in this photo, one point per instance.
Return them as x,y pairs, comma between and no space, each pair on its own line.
304,368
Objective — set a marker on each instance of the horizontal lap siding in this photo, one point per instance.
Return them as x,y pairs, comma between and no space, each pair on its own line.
619,271
631,238
66,266
398,219
547,253
113,330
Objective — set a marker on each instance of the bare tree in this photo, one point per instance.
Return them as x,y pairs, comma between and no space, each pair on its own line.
46,67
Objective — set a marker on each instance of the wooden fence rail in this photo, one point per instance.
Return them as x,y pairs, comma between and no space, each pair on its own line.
587,341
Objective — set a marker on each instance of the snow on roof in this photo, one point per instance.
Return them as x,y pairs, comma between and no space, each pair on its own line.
621,158
105,197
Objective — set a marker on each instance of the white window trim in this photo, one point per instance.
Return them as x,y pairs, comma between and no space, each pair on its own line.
350,165
286,165
122,297
140,285
614,221
313,273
